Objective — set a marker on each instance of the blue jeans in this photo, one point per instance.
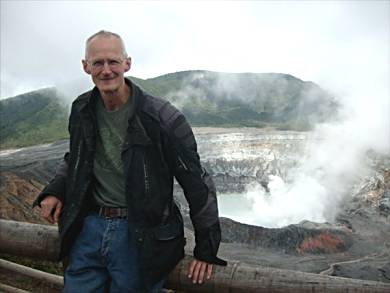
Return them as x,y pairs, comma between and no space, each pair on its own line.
104,259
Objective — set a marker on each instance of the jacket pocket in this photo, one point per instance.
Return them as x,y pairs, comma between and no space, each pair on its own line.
168,232
166,248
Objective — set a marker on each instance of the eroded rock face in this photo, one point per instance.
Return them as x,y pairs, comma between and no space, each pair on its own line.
23,173
301,238
356,244
239,157
16,198
366,268
374,189
37,162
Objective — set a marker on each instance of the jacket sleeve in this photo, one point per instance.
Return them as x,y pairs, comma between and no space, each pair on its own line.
57,185
197,184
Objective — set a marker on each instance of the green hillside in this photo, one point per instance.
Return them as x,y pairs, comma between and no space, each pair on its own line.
206,98
243,99
33,118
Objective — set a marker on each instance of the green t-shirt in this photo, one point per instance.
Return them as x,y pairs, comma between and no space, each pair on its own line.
109,189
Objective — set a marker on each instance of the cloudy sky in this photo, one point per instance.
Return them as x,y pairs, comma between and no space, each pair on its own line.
334,43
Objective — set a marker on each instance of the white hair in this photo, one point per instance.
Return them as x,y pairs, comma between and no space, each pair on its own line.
105,34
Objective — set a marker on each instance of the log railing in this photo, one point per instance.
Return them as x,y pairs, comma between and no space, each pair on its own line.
41,241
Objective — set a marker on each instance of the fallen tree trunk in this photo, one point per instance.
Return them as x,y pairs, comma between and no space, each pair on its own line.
40,241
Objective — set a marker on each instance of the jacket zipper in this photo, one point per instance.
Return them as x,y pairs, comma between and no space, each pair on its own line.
77,163
182,163
146,178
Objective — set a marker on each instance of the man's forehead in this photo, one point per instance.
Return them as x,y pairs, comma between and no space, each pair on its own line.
101,44
99,41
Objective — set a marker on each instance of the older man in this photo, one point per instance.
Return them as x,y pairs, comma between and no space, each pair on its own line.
113,192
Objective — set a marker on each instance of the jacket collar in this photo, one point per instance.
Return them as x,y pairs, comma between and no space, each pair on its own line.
89,97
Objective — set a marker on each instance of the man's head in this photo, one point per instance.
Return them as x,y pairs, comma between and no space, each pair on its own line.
106,61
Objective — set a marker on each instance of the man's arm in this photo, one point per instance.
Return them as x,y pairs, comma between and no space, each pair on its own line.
199,190
51,199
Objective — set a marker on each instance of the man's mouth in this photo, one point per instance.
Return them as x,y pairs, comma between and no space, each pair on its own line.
109,78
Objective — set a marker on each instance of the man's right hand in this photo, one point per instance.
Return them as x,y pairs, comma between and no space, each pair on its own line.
51,208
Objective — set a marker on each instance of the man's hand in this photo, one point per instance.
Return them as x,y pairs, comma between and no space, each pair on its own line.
51,209
198,269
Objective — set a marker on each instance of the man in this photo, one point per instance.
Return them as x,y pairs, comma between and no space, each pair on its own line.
112,195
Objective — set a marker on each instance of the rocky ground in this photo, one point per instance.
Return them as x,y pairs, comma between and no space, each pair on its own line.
355,245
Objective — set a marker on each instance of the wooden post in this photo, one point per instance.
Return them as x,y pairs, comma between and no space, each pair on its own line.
42,241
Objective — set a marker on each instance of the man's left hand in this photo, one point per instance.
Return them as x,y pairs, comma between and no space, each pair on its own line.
198,270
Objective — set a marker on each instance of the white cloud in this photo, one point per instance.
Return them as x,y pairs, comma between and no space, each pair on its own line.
42,41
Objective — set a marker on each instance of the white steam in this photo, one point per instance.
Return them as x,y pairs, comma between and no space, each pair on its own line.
282,205
332,163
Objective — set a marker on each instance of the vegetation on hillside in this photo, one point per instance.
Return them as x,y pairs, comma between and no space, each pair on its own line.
244,99
33,118
206,98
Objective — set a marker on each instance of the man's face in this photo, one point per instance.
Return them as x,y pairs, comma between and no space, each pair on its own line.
106,64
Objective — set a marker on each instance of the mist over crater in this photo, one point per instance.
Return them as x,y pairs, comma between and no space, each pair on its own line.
259,176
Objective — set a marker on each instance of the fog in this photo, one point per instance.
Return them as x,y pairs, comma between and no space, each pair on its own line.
331,165
42,42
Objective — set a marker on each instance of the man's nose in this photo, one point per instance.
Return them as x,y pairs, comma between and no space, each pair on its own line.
106,68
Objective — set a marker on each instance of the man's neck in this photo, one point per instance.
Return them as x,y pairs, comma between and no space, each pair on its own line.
114,100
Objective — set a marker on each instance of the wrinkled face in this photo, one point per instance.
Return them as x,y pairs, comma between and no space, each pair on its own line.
106,63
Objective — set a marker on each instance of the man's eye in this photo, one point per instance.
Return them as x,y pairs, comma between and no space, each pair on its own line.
97,63
113,62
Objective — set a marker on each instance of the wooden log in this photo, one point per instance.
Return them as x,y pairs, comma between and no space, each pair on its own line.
31,240
236,277
10,289
33,273
242,278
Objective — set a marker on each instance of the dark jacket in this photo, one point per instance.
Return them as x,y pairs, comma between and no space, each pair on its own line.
159,146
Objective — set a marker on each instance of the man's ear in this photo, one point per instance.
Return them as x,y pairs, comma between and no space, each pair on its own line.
86,66
127,64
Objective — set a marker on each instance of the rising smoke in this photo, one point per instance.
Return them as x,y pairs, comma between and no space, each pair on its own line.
334,160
